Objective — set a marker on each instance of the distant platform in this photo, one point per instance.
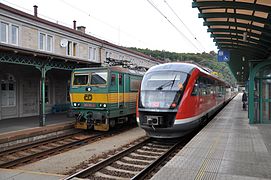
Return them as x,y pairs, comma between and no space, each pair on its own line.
228,148
20,128
6,174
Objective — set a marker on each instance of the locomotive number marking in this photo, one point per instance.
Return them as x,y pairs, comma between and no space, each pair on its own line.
88,97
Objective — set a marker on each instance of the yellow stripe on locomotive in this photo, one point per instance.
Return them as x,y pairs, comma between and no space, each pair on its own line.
103,98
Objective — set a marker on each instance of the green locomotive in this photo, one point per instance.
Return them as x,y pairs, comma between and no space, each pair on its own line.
104,96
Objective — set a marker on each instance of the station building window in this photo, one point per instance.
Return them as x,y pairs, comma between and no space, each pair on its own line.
71,48
45,42
14,35
9,33
4,32
92,54
8,91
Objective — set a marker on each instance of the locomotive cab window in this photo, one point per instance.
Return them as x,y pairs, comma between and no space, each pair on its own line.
80,79
98,78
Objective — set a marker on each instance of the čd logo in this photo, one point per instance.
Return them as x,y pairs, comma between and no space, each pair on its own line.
88,97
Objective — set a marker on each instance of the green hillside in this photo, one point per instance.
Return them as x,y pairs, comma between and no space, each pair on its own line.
208,60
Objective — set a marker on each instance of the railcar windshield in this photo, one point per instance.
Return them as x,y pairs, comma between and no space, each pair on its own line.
162,89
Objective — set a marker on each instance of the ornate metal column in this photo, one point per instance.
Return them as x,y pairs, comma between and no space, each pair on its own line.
43,70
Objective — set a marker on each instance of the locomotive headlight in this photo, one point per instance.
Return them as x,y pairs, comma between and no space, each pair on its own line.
102,105
74,104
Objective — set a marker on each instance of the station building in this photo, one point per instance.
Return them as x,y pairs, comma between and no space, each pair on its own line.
37,56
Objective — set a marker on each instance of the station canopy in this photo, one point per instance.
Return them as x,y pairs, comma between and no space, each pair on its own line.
242,27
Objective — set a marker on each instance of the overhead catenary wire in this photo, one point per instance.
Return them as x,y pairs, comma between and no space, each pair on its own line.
175,27
101,21
190,32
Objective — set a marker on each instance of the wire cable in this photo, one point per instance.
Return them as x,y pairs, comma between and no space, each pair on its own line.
175,27
103,22
184,24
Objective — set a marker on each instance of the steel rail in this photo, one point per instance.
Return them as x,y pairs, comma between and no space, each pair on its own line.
145,172
92,169
61,147
48,151
36,143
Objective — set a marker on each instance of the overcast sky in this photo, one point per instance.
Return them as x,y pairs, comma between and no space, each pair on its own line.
129,23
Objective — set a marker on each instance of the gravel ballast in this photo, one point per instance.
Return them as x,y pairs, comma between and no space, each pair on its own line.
64,162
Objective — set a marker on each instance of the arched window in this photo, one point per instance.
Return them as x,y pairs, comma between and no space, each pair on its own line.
8,91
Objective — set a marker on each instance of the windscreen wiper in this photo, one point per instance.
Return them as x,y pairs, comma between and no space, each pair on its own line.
171,82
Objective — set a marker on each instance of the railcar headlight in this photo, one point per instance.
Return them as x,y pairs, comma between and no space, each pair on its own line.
78,104
104,105
101,105
74,104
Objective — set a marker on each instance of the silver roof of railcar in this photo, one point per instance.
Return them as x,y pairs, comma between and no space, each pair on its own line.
176,66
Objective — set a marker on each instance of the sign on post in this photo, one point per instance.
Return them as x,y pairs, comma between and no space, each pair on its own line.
223,56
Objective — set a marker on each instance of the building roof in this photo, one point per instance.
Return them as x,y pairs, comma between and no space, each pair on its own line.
74,31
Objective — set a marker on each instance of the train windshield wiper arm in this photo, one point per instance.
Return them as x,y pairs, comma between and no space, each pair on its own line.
171,82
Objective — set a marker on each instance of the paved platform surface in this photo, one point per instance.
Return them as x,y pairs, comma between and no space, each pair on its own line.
10,174
19,128
6,174
15,124
228,148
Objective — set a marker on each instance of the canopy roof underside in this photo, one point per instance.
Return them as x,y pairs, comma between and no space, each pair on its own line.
241,26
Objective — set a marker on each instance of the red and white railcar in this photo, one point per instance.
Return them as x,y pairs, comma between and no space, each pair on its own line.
175,98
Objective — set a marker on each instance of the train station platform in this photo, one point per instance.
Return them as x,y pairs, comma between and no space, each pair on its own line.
227,148
6,174
22,129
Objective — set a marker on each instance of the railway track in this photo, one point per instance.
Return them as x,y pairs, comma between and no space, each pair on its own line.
32,152
135,162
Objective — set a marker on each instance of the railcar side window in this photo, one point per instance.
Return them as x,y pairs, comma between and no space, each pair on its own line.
80,79
202,86
195,91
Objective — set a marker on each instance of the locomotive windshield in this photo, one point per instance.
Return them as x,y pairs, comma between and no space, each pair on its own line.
90,78
162,89
80,79
98,78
